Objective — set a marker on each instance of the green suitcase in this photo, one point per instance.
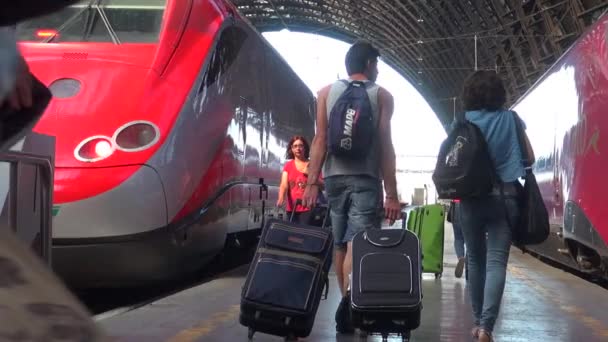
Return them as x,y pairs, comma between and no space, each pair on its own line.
427,222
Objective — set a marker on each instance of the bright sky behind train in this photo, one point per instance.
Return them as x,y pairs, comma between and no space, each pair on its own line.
319,60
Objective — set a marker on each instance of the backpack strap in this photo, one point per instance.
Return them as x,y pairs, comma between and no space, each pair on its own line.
368,84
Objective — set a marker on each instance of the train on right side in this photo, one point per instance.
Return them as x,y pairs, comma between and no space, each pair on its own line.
566,114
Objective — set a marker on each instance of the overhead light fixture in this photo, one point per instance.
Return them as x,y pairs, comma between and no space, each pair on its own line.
420,59
420,41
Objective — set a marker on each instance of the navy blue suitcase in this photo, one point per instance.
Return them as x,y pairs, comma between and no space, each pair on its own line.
286,279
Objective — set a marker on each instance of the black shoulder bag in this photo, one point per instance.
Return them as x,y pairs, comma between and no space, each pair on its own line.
532,227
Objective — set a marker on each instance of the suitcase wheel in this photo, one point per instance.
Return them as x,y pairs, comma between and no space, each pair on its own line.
291,337
250,334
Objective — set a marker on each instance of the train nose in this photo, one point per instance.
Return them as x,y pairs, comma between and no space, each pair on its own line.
131,206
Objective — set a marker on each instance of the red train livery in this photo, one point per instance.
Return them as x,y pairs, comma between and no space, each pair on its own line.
565,112
171,119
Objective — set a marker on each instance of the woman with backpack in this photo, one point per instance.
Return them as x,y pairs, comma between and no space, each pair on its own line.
486,220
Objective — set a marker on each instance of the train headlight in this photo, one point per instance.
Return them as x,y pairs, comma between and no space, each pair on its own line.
94,149
103,149
136,136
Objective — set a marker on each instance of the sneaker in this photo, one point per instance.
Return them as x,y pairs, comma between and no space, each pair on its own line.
344,324
459,267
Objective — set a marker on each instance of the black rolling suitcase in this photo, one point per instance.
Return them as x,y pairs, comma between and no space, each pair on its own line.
386,293
286,279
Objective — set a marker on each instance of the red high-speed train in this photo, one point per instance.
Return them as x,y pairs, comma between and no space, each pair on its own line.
171,118
566,113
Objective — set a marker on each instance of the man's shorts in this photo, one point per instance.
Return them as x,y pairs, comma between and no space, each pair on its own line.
354,203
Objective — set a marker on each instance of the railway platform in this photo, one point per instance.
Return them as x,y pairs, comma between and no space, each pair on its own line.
541,303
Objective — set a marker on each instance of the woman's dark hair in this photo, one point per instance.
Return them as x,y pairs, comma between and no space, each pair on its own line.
289,153
359,55
484,90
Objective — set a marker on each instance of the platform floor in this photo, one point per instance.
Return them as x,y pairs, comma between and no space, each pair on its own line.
541,303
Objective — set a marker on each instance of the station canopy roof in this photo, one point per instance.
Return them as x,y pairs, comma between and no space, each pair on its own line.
432,43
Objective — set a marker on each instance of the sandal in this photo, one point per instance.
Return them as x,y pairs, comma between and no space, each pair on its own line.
485,336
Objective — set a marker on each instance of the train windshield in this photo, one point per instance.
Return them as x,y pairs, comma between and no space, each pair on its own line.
98,21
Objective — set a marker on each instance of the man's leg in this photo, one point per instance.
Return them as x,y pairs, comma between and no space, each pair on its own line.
362,215
347,267
339,255
337,197
459,244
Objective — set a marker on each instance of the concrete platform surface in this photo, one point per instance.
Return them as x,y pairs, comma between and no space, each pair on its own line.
541,303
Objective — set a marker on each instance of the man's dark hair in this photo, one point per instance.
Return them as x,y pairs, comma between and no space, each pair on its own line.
484,90
359,55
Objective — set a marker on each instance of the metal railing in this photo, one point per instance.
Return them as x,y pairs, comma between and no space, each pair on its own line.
43,187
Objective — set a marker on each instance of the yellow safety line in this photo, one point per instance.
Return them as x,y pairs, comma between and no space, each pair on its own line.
579,314
206,326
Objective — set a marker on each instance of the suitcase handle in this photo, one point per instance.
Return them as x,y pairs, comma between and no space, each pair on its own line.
325,219
398,242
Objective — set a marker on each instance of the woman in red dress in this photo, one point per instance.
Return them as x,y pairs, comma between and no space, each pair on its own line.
293,179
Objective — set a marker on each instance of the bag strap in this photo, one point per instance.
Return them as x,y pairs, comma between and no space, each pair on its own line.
526,161
367,83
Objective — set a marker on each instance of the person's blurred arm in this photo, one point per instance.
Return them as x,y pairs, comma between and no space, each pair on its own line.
15,73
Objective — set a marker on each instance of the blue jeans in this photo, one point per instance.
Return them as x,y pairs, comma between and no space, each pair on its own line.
354,203
487,257
458,237
458,240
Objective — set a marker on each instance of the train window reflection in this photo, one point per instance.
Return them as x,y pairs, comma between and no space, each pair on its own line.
226,52
118,21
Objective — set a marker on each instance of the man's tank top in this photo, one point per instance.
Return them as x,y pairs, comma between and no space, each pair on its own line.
369,166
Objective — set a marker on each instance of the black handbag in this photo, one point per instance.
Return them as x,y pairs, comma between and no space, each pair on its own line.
532,227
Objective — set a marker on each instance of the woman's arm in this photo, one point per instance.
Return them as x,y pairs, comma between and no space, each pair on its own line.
529,150
521,128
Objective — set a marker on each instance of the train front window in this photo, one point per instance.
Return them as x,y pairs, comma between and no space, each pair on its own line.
102,21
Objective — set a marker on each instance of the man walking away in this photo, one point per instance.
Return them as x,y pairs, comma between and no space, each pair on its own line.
353,169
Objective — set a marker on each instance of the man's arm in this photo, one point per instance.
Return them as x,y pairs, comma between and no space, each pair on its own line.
391,204
318,150
386,143
319,143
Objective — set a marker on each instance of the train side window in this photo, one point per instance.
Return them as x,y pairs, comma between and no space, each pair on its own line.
225,53
131,21
541,164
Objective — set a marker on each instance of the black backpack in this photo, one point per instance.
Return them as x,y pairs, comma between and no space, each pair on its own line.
351,128
464,166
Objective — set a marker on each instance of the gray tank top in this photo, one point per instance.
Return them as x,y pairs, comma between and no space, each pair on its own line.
369,166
